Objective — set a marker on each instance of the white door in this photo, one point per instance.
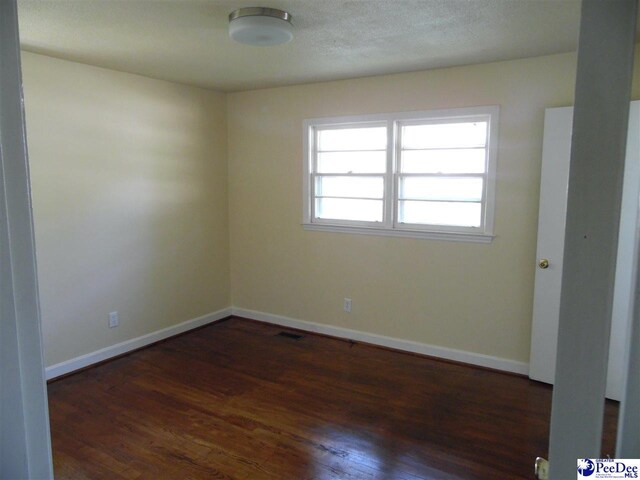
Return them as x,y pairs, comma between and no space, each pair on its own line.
551,228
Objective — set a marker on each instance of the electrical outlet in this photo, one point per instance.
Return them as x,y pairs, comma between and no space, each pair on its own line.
114,319
347,305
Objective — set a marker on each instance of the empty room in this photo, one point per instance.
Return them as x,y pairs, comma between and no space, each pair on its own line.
319,239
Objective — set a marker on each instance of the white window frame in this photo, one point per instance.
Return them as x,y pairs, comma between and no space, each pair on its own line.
390,226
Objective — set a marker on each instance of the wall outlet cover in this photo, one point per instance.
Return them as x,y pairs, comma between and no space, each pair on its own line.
114,319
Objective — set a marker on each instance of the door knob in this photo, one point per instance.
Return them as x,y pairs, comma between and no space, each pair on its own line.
542,468
543,263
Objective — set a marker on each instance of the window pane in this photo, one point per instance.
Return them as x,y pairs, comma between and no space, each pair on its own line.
349,209
368,138
445,135
360,187
440,213
441,188
444,161
352,162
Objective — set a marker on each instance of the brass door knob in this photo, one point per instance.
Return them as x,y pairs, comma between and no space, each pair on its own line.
543,263
542,468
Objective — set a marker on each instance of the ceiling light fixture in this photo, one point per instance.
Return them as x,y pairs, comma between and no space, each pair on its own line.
260,26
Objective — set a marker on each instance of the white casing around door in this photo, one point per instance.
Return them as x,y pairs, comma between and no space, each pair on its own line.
554,182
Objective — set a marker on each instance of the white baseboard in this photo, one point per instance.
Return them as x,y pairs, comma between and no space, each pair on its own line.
82,361
478,359
471,358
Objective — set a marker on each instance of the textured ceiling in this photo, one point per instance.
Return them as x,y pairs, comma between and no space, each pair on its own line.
186,41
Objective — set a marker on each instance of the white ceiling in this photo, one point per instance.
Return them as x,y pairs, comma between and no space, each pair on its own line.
186,41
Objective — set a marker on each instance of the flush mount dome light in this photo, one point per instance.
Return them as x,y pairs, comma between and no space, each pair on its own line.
260,26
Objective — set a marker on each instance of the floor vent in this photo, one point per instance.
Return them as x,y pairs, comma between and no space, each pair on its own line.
292,336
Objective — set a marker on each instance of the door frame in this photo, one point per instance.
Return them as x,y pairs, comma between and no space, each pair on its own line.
603,90
25,440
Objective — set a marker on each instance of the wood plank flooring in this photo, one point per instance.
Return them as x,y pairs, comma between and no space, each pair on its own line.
235,400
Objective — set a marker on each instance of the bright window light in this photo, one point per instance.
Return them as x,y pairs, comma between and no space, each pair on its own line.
352,162
460,160
352,139
349,187
465,189
349,209
424,174
445,135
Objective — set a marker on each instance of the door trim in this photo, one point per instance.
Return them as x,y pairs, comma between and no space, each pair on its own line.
25,443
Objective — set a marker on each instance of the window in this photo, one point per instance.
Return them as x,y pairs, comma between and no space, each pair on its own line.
423,174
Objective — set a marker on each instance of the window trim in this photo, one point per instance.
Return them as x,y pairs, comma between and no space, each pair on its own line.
390,226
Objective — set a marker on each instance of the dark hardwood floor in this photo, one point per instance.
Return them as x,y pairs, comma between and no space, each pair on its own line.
235,400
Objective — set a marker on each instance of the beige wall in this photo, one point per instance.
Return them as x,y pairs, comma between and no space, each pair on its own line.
129,180
465,296
132,197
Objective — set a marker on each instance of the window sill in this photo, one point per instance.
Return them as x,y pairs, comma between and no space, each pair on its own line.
432,235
